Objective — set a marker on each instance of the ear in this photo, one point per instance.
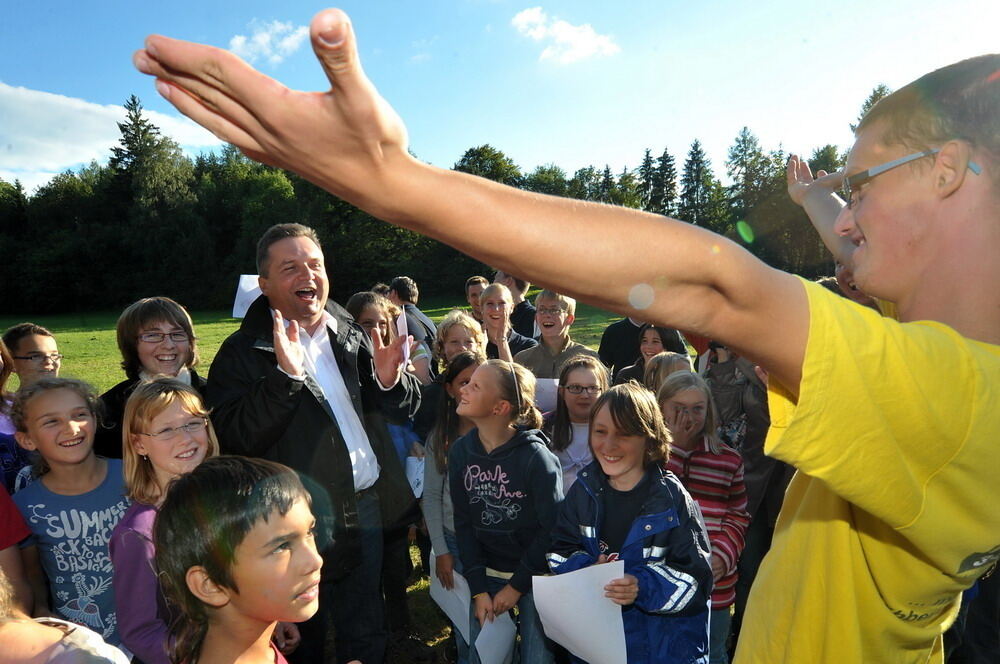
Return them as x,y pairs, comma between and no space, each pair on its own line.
206,590
951,167
138,445
569,319
24,440
503,407
262,284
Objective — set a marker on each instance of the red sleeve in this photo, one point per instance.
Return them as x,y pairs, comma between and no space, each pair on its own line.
12,526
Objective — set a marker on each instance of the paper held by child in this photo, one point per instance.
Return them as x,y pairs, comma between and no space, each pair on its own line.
593,630
454,602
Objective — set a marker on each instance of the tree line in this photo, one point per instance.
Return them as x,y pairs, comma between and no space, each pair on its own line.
153,221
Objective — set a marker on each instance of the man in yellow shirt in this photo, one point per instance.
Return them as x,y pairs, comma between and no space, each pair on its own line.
893,425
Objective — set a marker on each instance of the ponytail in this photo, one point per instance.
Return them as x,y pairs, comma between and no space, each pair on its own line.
517,387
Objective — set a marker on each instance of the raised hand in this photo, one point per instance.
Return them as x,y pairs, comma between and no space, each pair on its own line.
388,358
287,349
800,181
341,139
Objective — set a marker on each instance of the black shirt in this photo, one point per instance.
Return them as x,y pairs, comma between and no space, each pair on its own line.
516,342
619,345
621,508
522,319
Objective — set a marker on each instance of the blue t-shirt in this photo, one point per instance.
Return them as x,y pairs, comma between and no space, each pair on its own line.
72,533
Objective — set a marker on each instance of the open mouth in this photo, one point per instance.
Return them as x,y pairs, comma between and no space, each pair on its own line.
166,358
611,459
73,442
188,454
309,594
306,294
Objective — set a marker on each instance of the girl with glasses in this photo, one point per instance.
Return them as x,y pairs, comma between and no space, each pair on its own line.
167,434
581,381
155,337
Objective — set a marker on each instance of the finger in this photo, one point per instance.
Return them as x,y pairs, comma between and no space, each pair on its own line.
831,181
279,325
293,331
376,340
211,119
336,48
215,68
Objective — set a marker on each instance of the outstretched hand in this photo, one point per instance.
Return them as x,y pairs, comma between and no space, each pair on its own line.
341,139
287,349
800,180
389,358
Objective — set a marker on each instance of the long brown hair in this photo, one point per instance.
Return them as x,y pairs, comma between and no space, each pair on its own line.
445,431
562,429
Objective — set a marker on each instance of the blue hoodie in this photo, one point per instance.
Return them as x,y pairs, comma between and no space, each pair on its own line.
506,502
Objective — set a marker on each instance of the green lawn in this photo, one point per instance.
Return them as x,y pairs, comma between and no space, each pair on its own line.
88,340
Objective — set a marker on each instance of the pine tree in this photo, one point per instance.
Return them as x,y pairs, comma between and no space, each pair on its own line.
647,180
696,187
139,138
665,190
747,167
627,190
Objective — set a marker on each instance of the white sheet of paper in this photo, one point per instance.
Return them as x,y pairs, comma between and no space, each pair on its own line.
454,602
247,291
546,393
593,629
402,332
495,642
415,473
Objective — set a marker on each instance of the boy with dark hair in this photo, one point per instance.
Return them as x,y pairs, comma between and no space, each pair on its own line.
892,513
34,352
473,289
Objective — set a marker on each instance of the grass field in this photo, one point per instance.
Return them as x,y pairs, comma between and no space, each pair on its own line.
87,341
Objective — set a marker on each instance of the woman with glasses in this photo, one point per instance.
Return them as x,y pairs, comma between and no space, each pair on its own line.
155,337
582,380
167,434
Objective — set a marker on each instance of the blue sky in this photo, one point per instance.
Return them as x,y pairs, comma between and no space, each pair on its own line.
570,82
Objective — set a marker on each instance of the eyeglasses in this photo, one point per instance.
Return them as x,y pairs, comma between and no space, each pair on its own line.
40,358
550,311
852,184
192,427
592,390
158,337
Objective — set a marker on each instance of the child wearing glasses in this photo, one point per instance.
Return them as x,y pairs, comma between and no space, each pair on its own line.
155,337
582,380
554,314
34,352
71,508
505,490
167,434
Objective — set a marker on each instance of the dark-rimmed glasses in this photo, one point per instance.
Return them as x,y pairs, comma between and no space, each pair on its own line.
852,183
158,337
592,390
40,358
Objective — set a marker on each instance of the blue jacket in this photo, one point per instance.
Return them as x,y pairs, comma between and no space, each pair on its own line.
666,549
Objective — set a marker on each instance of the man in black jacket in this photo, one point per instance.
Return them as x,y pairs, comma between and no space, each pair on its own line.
312,393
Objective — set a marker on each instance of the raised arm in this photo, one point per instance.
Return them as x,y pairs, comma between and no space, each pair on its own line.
350,142
818,197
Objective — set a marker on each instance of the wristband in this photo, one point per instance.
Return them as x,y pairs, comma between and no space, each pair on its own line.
477,595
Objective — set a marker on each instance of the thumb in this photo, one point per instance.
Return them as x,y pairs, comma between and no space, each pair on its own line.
336,48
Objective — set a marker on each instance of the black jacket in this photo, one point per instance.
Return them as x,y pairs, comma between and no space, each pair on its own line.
259,411
108,440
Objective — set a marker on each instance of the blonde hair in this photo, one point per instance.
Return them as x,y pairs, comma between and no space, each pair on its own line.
493,289
516,386
461,319
681,381
662,365
149,399
567,303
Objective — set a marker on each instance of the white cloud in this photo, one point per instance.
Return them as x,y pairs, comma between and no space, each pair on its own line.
566,43
272,41
44,133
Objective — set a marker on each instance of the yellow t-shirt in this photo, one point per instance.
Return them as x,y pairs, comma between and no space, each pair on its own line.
894,510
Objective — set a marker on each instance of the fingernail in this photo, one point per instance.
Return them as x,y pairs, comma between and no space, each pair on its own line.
141,62
333,35
150,48
163,89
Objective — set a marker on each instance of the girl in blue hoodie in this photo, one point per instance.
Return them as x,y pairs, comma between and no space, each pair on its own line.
506,487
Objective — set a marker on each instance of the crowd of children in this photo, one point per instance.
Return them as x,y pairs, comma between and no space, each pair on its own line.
94,479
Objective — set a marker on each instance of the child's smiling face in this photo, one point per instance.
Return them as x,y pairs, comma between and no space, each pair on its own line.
276,568
553,320
60,426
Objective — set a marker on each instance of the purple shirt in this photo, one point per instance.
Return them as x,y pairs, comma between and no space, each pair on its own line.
142,611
